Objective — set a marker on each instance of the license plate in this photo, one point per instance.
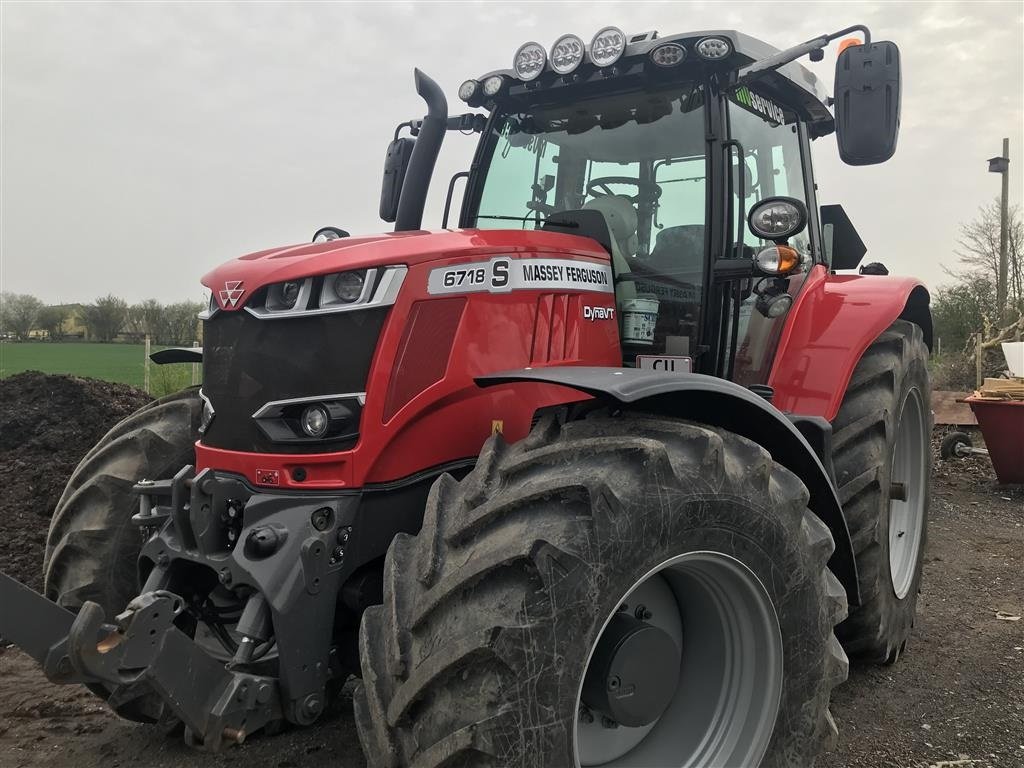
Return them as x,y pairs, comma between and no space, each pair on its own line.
666,363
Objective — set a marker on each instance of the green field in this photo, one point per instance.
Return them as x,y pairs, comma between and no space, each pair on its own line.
111,362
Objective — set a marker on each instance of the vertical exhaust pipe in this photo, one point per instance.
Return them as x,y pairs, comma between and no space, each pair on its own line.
424,155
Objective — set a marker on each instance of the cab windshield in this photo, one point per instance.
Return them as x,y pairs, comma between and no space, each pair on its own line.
639,159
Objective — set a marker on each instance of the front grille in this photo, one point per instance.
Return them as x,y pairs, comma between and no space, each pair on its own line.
248,362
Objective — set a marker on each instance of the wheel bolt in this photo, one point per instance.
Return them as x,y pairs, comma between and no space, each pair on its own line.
614,683
642,613
586,716
607,722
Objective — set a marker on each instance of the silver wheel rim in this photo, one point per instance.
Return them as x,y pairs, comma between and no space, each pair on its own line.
726,701
906,518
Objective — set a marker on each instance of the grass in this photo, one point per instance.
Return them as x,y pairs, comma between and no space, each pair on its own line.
122,363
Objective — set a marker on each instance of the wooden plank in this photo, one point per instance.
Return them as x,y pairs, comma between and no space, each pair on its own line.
948,411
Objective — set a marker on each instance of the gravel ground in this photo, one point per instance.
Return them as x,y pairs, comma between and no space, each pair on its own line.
955,699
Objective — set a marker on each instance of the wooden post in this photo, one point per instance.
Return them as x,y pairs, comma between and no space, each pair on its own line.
145,367
978,352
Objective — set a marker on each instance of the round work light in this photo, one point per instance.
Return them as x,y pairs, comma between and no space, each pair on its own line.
567,54
607,46
493,84
468,90
529,61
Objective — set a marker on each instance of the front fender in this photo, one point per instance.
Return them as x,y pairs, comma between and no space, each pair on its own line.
720,403
834,320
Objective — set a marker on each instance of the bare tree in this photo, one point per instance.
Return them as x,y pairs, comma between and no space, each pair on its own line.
51,319
19,313
979,251
105,318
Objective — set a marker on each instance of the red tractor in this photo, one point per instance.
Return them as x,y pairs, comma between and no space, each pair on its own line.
616,473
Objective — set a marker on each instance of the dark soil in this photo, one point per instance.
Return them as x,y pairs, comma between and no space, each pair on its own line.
47,424
956,698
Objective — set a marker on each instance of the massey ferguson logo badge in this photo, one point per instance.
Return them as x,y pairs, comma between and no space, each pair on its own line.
598,313
232,292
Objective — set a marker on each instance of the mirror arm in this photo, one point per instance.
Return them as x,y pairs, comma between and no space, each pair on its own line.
752,71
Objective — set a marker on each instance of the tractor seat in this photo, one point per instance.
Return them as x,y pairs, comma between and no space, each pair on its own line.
612,221
679,250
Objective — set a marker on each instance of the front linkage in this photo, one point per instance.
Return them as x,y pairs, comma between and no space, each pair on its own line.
215,551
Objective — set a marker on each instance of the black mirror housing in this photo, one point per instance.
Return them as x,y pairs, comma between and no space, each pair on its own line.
843,245
396,163
868,83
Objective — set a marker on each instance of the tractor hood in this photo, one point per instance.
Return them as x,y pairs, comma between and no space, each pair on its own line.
247,274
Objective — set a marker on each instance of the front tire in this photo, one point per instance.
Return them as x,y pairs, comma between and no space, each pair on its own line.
493,612
92,548
881,451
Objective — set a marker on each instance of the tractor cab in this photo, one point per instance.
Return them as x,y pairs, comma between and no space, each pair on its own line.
661,149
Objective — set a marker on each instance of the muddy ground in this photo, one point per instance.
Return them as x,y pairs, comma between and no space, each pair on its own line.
955,699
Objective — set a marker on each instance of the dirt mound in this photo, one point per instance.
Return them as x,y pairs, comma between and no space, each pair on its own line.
47,424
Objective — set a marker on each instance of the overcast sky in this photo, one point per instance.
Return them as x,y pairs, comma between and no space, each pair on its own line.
143,144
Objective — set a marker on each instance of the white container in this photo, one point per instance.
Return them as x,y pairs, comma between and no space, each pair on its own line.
1013,351
639,316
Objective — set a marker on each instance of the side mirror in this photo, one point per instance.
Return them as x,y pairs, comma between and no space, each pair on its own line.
868,102
396,163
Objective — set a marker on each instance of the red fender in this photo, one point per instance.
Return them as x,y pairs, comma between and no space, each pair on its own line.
834,319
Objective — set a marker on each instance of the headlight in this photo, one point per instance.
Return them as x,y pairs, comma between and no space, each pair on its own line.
493,84
566,54
777,218
529,61
607,46
713,48
282,297
348,286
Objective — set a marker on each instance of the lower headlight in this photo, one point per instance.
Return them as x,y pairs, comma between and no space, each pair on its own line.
315,420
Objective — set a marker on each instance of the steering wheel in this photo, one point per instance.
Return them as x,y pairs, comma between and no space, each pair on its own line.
646,191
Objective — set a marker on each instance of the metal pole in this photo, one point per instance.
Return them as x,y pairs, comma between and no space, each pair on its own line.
145,367
977,361
1001,291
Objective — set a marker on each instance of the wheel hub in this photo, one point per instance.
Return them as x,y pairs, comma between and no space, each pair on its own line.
633,674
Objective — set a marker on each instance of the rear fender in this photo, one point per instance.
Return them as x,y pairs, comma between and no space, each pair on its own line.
719,403
834,320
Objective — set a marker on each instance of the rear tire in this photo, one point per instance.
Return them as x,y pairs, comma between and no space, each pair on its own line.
92,548
889,395
491,613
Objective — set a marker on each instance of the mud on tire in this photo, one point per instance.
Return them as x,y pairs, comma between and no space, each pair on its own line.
477,655
864,437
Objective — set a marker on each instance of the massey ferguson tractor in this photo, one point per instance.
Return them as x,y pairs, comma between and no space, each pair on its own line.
618,472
